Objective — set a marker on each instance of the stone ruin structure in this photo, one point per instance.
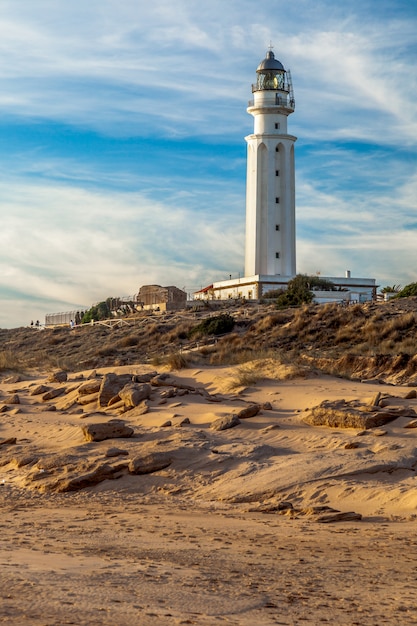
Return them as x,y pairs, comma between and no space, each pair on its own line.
157,298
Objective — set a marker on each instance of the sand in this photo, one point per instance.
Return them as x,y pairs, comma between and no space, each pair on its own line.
203,541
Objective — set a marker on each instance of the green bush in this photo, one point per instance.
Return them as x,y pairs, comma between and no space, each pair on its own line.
408,291
300,290
216,325
100,311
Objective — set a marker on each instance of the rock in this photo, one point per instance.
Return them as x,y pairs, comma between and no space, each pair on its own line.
15,411
249,411
12,399
280,507
384,403
211,398
83,400
379,433
52,407
266,406
36,391
183,422
53,393
141,409
134,393
3,408
110,387
342,414
339,517
115,400
267,429
412,424
149,463
411,394
99,473
375,399
144,378
351,445
8,442
22,461
166,424
12,380
181,392
106,430
92,374
223,423
67,404
111,452
168,393
58,377
89,387
162,380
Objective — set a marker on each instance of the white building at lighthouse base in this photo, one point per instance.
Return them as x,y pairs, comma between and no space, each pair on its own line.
348,289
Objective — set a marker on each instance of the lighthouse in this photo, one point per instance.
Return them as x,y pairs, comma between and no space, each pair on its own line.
270,180
270,202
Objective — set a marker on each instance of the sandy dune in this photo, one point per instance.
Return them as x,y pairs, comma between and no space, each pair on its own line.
231,531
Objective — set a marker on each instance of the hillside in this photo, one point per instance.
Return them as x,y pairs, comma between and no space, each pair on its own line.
366,341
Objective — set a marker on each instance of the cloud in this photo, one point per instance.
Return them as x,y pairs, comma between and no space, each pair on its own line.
123,158
76,246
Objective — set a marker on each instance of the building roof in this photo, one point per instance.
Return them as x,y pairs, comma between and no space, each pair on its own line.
205,289
270,63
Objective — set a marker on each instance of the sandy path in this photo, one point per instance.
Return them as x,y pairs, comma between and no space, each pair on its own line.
171,548
110,557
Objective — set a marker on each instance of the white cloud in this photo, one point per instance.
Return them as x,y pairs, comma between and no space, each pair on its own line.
184,69
76,247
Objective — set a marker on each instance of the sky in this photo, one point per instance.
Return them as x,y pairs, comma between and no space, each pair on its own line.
122,150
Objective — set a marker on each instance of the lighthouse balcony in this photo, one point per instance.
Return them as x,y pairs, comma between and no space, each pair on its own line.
280,101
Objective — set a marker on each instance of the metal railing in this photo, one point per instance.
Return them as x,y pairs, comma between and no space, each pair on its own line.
281,103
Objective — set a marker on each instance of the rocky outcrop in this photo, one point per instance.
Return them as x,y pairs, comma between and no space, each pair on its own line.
89,387
53,393
115,429
226,422
342,414
58,377
110,387
249,411
12,399
133,393
149,463
36,391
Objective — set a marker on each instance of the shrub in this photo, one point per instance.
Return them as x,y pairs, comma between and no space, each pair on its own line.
300,290
100,311
216,325
9,361
128,341
408,291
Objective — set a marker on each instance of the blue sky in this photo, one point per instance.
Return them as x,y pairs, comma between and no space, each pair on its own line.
122,152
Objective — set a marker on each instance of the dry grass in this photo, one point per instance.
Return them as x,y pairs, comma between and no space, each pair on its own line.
173,360
253,371
325,333
9,361
128,341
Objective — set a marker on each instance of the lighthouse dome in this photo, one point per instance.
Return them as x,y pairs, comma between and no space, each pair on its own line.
270,63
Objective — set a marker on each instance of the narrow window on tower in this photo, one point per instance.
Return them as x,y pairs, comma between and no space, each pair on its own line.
276,172
276,200
277,149
276,226
277,255
277,125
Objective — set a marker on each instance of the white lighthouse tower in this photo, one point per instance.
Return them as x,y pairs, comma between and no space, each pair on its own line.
270,201
270,183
